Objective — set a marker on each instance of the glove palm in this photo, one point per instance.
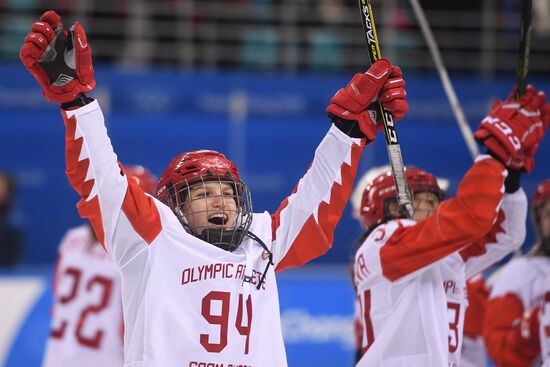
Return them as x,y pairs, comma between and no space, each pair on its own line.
513,130
59,59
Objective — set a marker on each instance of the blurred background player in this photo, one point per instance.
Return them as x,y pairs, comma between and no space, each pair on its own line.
544,329
473,349
511,327
356,199
87,324
11,236
198,268
411,275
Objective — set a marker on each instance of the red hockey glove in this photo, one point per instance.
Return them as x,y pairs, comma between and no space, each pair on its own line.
513,129
529,326
382,81
59,59
393,95
545,117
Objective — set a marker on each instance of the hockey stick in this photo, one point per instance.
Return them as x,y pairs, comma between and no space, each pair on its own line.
523,57
447,86
524,47
392,143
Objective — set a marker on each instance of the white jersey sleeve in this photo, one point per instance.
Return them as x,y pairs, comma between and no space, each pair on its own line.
545,323
507,235
303,226
523,278
107,198
517,291
402,249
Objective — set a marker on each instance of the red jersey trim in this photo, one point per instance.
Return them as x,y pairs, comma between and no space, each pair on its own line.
315,239
502,333
456,223
479,247
142,212
76,173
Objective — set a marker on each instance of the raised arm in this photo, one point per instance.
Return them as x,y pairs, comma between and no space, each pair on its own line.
61,61
303,226
511,133
456,223
511,323
514,144
506,235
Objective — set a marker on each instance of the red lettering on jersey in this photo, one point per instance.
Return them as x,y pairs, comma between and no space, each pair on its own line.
379,234
240,271
451,287
208,271
193,278
215,364
547,327
206,364
454,326
185,276
361,271
226,273
98,284
217,269
202,271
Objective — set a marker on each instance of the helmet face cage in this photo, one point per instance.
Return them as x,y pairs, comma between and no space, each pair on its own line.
221,224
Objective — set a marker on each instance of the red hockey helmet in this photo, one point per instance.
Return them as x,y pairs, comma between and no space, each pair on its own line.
189,168
145,179
382,189
541,194
197,168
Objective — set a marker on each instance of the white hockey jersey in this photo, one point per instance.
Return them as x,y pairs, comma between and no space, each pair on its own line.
545,323
411,277
519,288
186,302
86,325
473,349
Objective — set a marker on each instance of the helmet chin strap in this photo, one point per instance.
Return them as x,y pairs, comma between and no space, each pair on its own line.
269,256
545,245
228,240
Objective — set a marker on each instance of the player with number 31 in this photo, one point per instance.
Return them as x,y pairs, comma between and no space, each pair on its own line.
410,275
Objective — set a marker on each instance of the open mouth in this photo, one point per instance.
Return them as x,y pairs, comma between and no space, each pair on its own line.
218,219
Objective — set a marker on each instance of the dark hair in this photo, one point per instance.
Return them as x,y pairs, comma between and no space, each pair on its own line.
10,181
542,248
